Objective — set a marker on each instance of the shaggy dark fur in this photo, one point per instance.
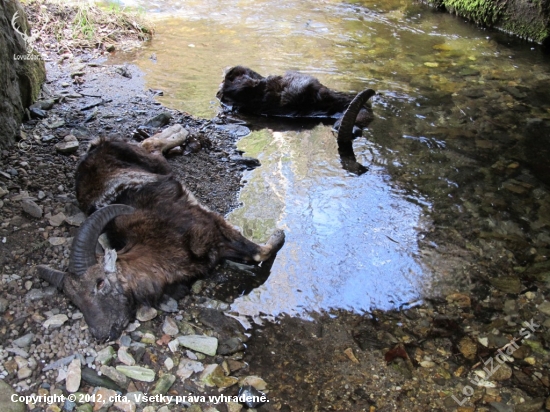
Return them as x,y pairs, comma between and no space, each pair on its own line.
293,95
169,238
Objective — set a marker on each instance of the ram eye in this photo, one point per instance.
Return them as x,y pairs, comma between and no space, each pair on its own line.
100,284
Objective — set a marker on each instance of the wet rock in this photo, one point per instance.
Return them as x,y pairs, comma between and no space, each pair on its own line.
459,299
123,71
57,240
544,307
474,93
24,373
138,373
125,340
200,343
116,377
504,372
55,124
170,327
24,341
468,348
74,375
249,162
254,381
507,284
76,220
31,208
159,120
105,355
125,357
37,294
235,130
67,147
146,313
217,320
187,367
169,305
6,404
230,346
168,364
56,321
3,305
37,113
234,407
90,376
125,405
43,104
213,375
164,384
533,405
250,393
104,399
57,220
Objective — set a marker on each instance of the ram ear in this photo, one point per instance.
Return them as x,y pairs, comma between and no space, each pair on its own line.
52,276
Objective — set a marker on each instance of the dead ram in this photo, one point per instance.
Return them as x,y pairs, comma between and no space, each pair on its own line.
159,233
293,95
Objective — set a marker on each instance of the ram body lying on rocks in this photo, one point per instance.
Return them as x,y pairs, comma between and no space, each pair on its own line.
160,234
292,95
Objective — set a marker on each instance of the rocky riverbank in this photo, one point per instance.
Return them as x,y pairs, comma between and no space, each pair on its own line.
483,348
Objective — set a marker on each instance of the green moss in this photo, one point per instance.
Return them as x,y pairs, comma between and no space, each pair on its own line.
533,32
485,12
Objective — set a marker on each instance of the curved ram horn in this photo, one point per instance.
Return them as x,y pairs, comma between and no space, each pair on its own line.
52,276
83,248
345,132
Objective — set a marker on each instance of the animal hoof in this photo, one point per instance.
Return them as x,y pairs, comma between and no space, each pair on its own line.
277,240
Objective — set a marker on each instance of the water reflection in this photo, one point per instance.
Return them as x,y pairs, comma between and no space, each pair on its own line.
351,241
462,128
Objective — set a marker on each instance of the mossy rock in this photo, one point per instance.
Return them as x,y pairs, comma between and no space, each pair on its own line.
20,79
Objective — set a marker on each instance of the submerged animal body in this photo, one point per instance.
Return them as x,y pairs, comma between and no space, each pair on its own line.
159,233
292,95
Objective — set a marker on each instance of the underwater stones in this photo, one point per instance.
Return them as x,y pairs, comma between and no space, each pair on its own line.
507,284
468,348
459,299
544,307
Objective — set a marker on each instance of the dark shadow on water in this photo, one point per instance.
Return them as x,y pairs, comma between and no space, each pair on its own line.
293,124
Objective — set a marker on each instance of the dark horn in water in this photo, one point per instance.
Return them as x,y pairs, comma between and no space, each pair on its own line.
83,248
345,132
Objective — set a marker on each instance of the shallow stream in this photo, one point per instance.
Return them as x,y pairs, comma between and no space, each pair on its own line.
456,152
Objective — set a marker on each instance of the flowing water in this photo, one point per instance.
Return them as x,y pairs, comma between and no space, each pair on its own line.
456,152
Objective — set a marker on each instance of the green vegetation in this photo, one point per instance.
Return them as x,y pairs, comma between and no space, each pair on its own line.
486,12
83,25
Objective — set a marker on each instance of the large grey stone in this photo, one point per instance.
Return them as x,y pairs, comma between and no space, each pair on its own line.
20,80
6,405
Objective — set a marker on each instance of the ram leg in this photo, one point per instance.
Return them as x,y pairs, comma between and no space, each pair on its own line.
169,138
241,249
